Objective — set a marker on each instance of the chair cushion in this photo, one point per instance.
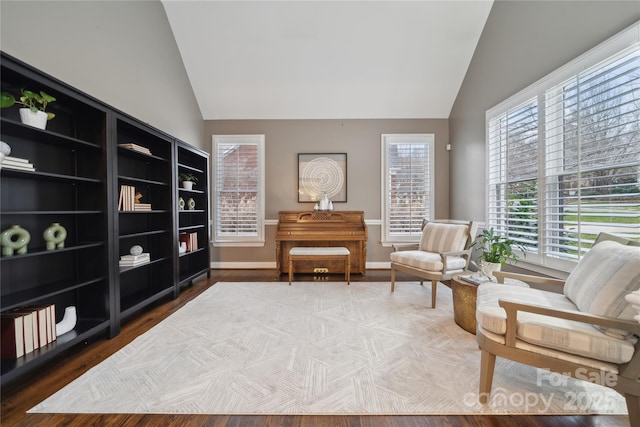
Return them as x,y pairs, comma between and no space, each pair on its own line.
438,237
428,261
545,331
599,282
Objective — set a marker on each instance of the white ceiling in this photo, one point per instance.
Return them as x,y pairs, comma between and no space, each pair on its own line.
326,59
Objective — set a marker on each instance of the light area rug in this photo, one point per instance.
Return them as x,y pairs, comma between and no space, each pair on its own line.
317,348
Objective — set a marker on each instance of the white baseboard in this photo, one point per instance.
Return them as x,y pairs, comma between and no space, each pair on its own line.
272,265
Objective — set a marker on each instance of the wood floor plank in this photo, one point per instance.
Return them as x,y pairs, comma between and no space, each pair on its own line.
24,393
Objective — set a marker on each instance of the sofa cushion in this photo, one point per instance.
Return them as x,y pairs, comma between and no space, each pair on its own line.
598,284
438,237
428,261
565,335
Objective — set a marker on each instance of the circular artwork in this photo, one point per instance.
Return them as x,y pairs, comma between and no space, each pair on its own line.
323,175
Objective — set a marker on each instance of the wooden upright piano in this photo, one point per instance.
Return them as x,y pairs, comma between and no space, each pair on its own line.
321,228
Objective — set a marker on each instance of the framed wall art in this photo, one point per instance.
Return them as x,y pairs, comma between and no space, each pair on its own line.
320,174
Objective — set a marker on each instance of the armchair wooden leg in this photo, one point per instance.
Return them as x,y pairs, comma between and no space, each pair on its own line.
633,407
393,280
487,363
434,290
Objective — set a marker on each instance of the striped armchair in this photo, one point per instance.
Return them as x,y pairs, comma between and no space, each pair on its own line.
444,250
587,331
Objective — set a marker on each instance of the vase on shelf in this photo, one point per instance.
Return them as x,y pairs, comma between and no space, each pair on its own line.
14,240
54,236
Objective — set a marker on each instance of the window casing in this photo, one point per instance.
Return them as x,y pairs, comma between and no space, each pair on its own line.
563,156
238,190
407,187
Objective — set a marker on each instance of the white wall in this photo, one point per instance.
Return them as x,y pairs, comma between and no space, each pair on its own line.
120,52
522,42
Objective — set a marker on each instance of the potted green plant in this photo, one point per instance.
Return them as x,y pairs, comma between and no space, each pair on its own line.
495,250
34,112
188,180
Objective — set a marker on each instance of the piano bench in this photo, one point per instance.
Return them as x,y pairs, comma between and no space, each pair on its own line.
301,253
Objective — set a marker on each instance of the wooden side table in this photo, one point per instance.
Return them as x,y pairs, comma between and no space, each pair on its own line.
464,303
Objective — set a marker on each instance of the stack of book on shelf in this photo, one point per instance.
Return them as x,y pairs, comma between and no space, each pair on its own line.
134,260
129,200
136,147
191,239
26,329
17,163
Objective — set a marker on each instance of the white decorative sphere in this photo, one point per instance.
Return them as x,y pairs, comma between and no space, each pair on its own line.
136,250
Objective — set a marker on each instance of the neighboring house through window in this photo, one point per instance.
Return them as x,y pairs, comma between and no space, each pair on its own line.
407,187
563,156
238,190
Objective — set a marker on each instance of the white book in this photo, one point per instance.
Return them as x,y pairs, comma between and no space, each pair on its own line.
133,263
145,255
15,159
17,167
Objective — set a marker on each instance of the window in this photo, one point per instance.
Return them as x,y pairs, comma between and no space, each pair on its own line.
564,156
407,188
238,190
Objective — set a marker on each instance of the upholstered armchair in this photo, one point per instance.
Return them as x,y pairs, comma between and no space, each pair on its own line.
586,331
443,251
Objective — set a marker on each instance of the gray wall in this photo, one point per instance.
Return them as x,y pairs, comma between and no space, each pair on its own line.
121,52
522,42
360,139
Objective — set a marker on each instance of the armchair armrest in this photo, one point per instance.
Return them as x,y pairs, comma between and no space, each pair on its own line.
501,275
466,254
512,308
405,247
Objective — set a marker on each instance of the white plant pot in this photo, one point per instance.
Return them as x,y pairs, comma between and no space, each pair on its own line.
37,119
187,185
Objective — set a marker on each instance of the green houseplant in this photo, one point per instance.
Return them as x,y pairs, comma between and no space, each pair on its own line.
34,111
187,180
495,250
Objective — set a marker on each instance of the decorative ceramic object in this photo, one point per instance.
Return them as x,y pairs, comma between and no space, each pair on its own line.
324,203
54,236
14,240
68,321
136,250
37,119
182,248
5,150
187,185
191,204
181,203
487,268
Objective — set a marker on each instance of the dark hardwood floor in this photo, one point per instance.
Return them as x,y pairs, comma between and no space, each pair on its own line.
24,393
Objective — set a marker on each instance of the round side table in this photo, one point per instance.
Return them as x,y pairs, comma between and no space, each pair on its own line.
464,303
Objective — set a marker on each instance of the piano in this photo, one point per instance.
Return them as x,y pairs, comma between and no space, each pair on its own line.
321,228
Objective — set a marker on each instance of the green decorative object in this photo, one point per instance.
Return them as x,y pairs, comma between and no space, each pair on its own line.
14,240
191,204
181,203
54,236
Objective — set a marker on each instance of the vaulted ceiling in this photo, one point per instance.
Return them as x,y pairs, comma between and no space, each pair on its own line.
326,59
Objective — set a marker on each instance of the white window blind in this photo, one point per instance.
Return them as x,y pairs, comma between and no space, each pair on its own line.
513,173
592,144
408,185
563,156
238,188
